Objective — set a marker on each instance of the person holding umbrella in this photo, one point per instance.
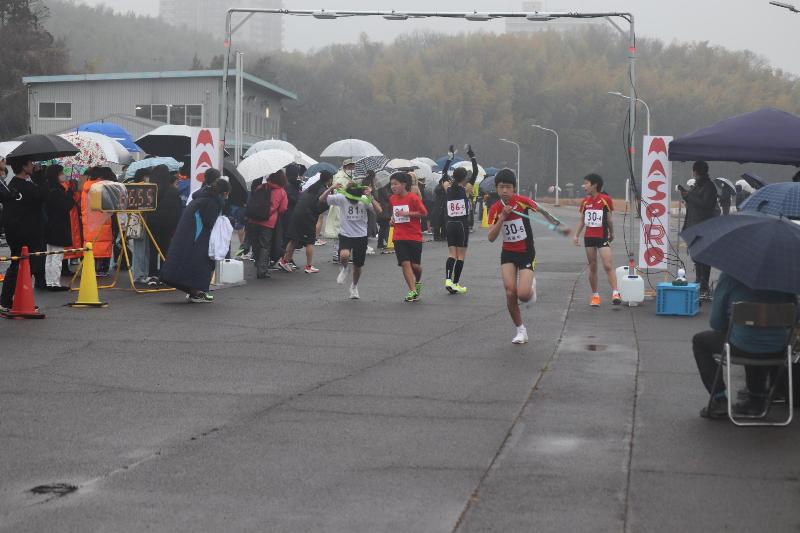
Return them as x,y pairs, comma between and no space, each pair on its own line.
22,220
701,204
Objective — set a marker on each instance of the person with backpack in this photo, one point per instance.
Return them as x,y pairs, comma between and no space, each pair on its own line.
701,204
266,205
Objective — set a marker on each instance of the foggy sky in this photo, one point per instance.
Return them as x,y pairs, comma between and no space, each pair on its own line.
735,24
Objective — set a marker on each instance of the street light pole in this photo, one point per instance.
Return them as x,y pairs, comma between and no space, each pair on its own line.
519,176
646,107
554,132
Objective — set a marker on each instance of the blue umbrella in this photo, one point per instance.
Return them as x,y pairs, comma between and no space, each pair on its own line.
780,199
442,160
754,181
490,171
762,252
115,131
315,169
151,162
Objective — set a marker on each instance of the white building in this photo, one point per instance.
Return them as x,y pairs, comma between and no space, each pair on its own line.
262,31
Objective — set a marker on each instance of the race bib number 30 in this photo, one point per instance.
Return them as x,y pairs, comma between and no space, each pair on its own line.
514,231
456,208
593,218
399,219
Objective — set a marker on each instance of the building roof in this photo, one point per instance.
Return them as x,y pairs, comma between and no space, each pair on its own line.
156,75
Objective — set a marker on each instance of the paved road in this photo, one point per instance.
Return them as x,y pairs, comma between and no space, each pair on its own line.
286,407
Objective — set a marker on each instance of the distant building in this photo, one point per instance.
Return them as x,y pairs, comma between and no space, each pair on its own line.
141,101
262,31
520,25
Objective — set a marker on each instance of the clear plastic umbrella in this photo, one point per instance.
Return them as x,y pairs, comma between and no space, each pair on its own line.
271,144
427,160
352,148
263,164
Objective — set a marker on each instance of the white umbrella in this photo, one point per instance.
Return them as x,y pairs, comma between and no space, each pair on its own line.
6,147
381,179
423,171
310,181
399,163
468,166
352,148
112,149
271,144
427,160
263,164
304,159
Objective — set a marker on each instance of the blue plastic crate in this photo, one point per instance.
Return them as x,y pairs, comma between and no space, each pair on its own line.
677,300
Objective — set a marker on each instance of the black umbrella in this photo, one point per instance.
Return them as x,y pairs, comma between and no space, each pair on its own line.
761,251
238,195
36,147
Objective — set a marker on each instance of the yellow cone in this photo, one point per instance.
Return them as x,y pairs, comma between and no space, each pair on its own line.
485,219
88,295
390,242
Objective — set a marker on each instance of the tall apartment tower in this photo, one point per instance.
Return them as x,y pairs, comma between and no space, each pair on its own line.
263,32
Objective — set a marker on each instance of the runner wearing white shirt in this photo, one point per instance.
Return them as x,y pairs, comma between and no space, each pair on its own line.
354,203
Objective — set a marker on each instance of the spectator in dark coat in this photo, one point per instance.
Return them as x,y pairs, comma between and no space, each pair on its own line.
58,228
188,267
164,219
22,220
701,204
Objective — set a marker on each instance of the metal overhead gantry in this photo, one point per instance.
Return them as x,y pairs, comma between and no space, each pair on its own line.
475,16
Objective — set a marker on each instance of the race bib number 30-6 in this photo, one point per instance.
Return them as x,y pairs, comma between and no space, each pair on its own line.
514,231
456,208
399,219
593,218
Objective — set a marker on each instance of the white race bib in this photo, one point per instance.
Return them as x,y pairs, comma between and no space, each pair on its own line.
514,230
593,218
399,219
456,208
352,212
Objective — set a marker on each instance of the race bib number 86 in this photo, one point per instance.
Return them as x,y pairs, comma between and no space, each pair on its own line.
456,208
514,231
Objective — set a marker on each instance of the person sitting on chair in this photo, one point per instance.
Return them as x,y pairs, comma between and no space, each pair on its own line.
746,339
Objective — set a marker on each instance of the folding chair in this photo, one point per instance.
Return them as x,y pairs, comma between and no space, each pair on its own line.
756,315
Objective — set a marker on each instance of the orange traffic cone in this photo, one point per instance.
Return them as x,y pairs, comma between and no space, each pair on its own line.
390,240
88,295
24,306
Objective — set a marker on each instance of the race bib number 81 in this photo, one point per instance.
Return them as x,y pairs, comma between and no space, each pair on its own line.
352,212
456,208
593,218
514,231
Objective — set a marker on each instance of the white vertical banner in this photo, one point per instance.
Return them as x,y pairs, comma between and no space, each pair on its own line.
656,187
205,155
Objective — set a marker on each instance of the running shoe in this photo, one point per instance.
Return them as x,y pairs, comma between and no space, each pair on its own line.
293,265
412,296
370,250
342,277
284,265
595,302
241,251
201,298
521,336
534,296
460,289
616,299
418,288
450,286
354,293
320,242
310,269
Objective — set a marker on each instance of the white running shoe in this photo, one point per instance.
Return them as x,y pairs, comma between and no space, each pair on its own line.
342,277
354,293
533,288
370,250
521,337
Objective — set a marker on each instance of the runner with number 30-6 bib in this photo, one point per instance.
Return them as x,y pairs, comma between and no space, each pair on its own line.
457,209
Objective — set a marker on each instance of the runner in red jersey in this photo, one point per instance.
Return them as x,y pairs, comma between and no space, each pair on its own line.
407,210
596,210
509,217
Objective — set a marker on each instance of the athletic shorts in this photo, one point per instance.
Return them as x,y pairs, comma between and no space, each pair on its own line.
457,233
596,242
408,251
522,260
357,247
302,232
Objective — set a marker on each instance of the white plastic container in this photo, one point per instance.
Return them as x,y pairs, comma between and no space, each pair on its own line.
230,271
631,286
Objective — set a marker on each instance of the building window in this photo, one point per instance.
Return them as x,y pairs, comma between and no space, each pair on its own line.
55,110
180,114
